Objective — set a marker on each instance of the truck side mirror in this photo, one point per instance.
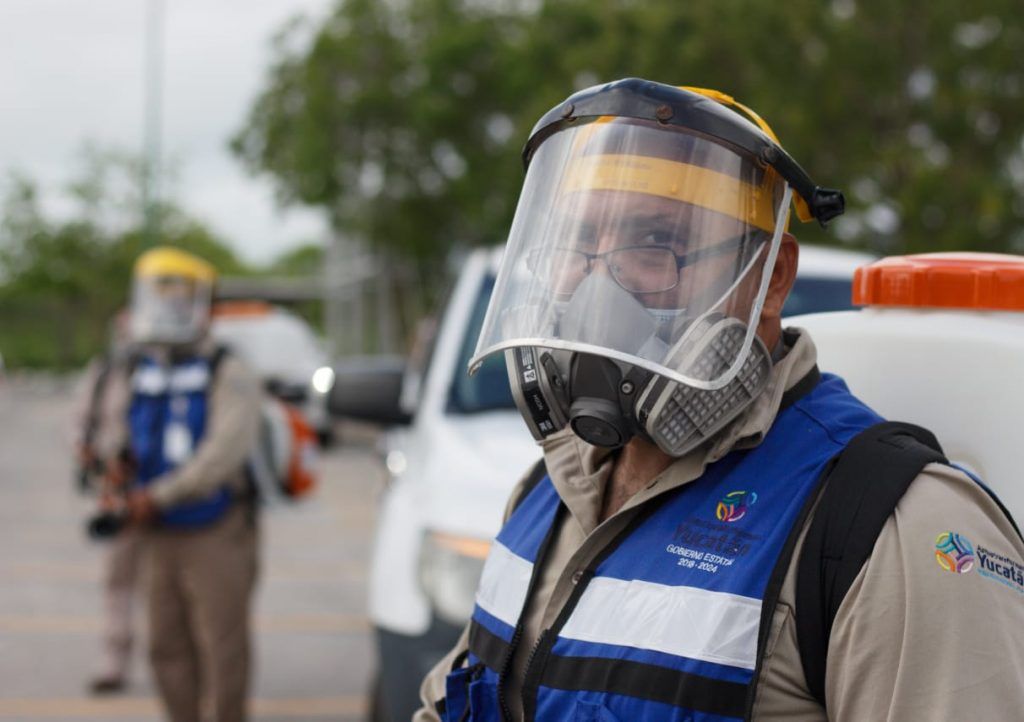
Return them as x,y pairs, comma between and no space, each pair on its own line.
369,389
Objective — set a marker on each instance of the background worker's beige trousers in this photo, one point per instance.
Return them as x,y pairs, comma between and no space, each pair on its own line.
120,587
199,591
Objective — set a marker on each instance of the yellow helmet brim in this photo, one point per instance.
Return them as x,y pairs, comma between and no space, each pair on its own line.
168,261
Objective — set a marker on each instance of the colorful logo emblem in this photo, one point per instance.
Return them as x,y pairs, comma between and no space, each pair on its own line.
733,506
954,552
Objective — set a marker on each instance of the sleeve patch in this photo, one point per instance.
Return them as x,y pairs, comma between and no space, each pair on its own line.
956,554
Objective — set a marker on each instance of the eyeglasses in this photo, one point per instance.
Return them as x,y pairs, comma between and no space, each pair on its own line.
638,269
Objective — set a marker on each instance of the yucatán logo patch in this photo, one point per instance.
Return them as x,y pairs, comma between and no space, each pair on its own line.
954,552
734,505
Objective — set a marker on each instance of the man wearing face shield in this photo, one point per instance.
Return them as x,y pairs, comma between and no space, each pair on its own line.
191,416
650,570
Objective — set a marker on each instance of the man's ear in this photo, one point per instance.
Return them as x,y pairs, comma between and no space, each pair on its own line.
783,276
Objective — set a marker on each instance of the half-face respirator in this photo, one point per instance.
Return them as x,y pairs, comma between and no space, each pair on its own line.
608,401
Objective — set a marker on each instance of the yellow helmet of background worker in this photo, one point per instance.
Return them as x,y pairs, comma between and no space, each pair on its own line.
171,295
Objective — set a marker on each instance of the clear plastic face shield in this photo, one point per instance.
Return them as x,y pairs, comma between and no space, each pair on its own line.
629,241
169,309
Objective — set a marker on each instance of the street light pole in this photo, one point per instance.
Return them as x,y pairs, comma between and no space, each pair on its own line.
152,97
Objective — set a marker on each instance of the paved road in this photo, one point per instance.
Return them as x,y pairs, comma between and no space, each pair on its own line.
314,652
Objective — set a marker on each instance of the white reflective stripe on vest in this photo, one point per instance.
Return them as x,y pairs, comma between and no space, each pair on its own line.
153,380
189,378
682,621
149,380
503,584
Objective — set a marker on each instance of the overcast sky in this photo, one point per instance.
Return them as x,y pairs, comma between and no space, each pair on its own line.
71,72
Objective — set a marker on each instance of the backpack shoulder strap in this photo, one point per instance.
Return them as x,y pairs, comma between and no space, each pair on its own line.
866,482
109,364
536,475
250,495
92,413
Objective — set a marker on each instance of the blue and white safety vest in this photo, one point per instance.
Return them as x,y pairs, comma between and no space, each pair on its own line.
167,419
664,623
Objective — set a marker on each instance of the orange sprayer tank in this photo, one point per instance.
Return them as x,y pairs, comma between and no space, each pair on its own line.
939,343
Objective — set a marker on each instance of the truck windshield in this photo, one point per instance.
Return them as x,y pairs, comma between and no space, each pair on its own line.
817,295
488,388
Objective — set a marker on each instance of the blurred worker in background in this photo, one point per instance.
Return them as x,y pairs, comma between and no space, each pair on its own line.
189,416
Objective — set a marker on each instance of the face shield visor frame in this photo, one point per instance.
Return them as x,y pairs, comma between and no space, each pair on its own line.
170,309
628,232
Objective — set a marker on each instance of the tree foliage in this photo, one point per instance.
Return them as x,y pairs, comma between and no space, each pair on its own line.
305,262
62,277
404,120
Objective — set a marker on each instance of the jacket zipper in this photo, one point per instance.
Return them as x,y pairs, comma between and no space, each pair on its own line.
517,634
506,713
533,654
542,647
536,646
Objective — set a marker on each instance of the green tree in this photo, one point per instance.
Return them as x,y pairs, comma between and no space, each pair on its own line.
63,278
395,121
404,120
304,261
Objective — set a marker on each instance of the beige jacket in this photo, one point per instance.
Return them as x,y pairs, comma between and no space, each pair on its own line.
911,641
232,426
109,407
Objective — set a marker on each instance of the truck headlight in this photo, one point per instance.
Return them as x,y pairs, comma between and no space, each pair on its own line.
323,380
450,568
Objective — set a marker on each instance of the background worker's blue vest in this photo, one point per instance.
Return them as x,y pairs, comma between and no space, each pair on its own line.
167,419
664,624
